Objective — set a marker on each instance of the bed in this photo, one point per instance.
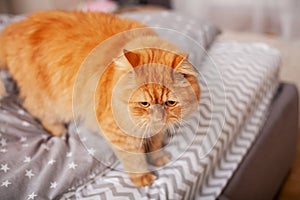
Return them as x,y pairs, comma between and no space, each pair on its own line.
239,144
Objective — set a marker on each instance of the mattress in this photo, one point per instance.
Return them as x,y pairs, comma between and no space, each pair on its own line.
228,126
238,81
276,145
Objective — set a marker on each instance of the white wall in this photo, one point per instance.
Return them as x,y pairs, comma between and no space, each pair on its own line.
4,6
27,6
280,17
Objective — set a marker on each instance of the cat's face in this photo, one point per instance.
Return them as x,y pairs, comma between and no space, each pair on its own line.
154,107
160,90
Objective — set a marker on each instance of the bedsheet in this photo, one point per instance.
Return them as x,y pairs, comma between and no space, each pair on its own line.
230,116
237,82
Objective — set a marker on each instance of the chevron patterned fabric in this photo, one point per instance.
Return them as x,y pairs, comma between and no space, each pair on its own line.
238,81
228,126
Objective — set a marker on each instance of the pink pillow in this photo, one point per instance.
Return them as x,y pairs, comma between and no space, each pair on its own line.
100,5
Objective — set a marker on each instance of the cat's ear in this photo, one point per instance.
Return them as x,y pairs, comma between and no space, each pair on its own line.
182,66
127,61
131,57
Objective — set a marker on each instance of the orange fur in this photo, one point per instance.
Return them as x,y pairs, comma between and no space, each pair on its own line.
45,51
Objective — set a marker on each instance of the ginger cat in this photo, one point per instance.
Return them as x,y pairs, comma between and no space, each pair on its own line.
147,87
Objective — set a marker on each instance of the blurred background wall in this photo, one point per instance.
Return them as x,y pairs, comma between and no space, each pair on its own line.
278,17
27,6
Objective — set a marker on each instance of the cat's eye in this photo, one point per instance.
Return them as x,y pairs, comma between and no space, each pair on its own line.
144,104
171,103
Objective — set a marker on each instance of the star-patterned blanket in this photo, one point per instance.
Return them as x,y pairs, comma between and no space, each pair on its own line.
36,165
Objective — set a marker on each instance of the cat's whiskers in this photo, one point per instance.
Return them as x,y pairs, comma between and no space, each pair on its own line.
176,127
171,128
145,134
139,128
182,122
149,140
171,135
140,124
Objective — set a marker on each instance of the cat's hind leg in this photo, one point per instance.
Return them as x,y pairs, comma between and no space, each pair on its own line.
54,128
2,89
47,115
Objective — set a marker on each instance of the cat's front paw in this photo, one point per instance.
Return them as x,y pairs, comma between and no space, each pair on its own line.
142,179
159,158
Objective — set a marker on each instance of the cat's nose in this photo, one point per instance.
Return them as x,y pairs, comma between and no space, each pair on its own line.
157,113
